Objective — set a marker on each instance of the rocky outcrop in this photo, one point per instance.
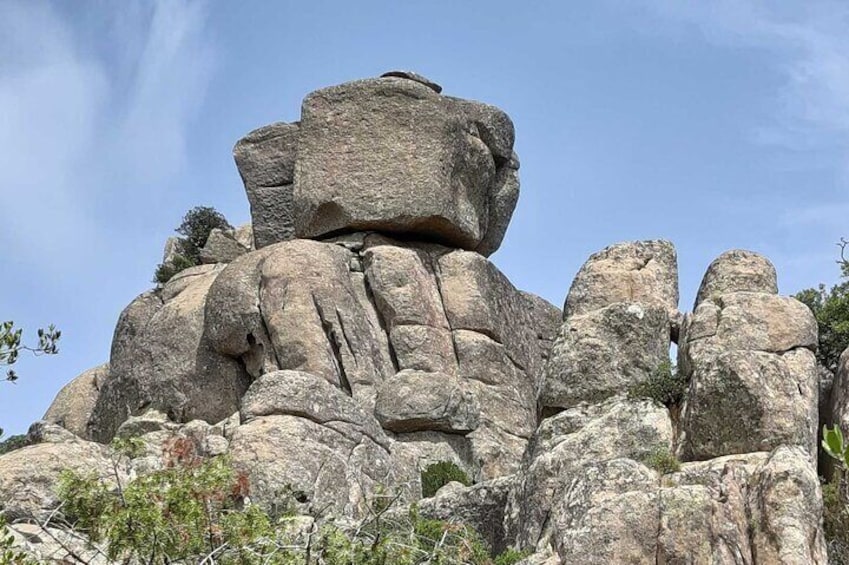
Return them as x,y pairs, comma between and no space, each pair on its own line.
749,356
29,477
221,247
617,325
355,333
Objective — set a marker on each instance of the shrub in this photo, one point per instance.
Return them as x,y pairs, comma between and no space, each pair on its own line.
665,385
437,475
835,515
197,224
662,461
166,271
510,557
831,310
195,228
835,497
195,510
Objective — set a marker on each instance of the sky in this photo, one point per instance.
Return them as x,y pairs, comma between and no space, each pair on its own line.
716,125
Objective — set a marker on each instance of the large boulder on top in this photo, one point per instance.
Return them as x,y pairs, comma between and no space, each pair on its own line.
391,154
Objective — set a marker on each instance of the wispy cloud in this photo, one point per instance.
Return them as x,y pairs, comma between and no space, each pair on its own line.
809,42
82,123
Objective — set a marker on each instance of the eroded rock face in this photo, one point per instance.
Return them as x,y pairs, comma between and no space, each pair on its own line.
645,272
29,477
604,353
749,356
566,445
161,359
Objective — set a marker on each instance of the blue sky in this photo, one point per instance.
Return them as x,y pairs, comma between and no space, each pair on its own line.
716,125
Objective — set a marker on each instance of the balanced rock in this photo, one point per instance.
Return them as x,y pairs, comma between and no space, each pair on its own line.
391,154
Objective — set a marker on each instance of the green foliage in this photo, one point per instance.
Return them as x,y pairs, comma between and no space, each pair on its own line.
11,346
835,513
665,385
835,497
9,555
195,228
12,443
662,461
437,475
831,310
166,271
197,510
197,224
191,507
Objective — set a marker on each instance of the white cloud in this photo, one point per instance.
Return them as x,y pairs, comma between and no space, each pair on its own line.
89,99
809,44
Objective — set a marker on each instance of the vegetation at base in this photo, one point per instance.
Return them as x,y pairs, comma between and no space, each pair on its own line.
831,310
197,509
665,385
835,497
437,475
662,461
197,224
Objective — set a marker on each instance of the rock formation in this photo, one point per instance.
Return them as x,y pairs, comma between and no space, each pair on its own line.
358,333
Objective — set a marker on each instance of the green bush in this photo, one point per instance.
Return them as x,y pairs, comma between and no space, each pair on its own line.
662,461
831,310
835,517
437,475
835,497
166,271
195,508
665,385
195,228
